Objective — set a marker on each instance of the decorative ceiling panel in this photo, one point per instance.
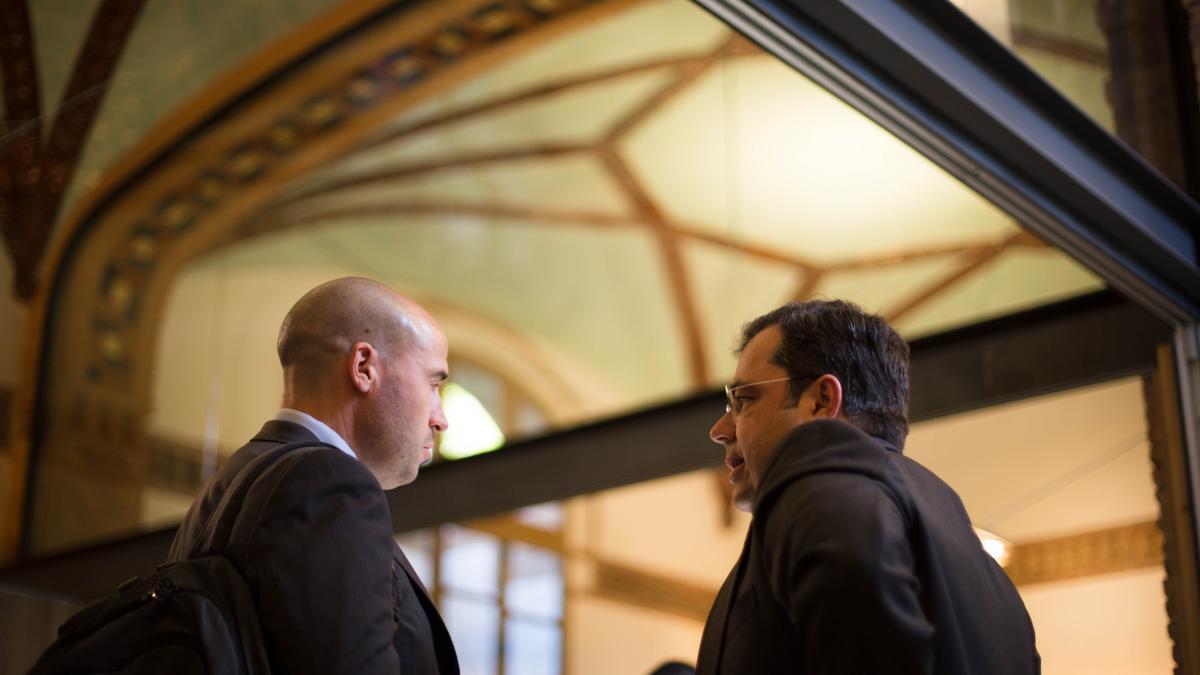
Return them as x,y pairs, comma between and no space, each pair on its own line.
59,28
732,288
597,295
681,184
574,118
626,194
176,49
756,149
547,188
1017,279
626,41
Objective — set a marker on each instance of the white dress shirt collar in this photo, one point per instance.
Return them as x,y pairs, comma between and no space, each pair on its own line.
318,428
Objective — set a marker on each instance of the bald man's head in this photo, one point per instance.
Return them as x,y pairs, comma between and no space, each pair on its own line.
324,325
369,363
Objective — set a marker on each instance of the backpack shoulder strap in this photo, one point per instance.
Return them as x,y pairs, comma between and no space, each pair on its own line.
219,526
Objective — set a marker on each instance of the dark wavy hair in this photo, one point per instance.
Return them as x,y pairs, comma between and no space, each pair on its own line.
865,354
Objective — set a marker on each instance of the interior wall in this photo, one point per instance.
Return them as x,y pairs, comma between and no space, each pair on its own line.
605,637
671,528
1114,624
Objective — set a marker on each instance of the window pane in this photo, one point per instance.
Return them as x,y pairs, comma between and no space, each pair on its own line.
1108,58
535,585
475,628
418,546
532,648
548,516
470,561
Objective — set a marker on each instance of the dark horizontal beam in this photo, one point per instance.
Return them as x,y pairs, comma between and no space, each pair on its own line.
1093,338
1089,339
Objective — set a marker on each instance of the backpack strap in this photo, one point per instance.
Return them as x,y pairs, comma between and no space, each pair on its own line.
219,526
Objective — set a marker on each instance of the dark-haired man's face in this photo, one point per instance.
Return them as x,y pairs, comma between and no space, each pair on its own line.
763,417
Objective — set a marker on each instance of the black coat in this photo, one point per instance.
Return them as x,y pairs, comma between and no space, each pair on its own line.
861,561
334,592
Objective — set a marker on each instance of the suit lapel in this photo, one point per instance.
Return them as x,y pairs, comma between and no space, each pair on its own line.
443,644
402,560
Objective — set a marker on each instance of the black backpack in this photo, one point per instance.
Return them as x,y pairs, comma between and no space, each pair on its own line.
190,616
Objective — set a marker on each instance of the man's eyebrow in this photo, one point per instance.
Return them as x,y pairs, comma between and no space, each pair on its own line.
735,384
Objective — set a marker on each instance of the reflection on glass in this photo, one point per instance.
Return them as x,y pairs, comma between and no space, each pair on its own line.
1060,39
545,264
548,516
470,561
535,586
475,628
532,648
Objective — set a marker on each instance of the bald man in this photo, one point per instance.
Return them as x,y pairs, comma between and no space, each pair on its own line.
362,370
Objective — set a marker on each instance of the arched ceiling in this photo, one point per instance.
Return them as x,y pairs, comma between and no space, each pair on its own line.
625,182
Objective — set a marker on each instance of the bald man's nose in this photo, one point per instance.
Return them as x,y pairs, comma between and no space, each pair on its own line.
437,419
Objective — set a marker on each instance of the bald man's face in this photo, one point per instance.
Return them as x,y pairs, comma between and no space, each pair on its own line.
408,411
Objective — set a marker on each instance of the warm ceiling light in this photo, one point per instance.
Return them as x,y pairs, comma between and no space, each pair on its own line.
1000,549
471,430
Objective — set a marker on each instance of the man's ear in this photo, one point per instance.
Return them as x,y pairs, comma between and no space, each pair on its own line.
364,367
827,397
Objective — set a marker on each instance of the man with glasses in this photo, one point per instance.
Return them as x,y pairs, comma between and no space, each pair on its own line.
858,559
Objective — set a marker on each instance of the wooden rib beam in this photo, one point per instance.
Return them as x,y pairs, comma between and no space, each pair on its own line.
625,584
808,285
537,151
1107,551
21,186
972,263
85,92
33,175
301,213
738,47
1053,43
672,259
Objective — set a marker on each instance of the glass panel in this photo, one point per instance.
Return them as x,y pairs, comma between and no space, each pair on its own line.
1111,59
418,547
532,648
475,629
548,516
470,561
174,51
541,252
483,384
535,583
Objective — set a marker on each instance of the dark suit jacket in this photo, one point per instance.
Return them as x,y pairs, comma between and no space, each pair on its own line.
861,561
335,594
